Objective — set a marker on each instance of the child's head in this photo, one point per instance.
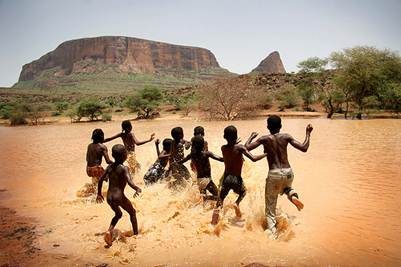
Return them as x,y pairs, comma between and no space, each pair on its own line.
119,153
197,144
274,124
97,136
230,134
198,130
167,144
177,133
127,126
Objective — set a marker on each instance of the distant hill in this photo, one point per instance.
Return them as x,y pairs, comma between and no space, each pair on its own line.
272,64
119,64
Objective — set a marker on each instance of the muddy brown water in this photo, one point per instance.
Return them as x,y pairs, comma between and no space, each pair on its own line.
349,181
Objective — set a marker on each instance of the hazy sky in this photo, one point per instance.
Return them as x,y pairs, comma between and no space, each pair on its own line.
239,33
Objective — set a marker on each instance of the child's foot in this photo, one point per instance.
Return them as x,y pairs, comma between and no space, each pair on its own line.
237,211
108,238
215,217
297,203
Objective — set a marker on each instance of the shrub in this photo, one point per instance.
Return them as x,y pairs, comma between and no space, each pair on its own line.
287,96
106,117
61,106
90,108
18,118
145,102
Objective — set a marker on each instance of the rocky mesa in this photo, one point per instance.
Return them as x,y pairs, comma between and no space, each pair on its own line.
129,55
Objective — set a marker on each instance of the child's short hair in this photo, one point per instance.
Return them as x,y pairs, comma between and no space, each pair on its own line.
197,143
273,122
230,133
98,136
198,130
126,125
177,132
167,144
119,152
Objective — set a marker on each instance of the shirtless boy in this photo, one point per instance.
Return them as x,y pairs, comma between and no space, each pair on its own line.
280,177
200,160
119,176
130,141
233,161
95,152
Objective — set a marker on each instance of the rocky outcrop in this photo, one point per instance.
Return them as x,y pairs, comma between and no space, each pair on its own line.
271,64
129,55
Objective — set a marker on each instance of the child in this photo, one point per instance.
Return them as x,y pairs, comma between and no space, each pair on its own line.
157,172
233,161
199,131
130,141
200,159
119,176
95,152
177,170
280,177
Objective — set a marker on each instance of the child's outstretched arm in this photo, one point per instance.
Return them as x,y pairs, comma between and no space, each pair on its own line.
112,138
130,181
252,145
214,156
305,145
106,156
188,157
164,155
138,143
99,198
157,142
250,156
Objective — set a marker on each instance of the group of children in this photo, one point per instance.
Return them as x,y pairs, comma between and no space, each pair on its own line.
279,179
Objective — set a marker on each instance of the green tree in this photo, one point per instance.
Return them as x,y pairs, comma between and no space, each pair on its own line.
61,106
145,102
90,108
364,71
287,96
313,65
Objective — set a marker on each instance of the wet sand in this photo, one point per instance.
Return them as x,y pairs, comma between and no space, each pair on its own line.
348,180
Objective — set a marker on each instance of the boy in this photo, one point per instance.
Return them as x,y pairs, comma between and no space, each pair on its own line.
280,176
177,170
157,172
233,161
198,131
119,176
95,152
130,141
200,160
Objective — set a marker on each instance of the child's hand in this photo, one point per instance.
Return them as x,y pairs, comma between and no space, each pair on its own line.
187,145
309,128
99,199
157,141
253,135
137,192
152,136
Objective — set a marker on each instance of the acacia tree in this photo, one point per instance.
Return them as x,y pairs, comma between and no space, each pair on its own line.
365,71
229,99
145,102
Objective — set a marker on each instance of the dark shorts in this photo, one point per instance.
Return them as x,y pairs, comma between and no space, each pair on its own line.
235,183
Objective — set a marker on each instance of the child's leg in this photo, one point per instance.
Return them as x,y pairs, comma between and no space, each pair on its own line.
118,214
241,195
293,197
127,206
216,212
212,188
271,195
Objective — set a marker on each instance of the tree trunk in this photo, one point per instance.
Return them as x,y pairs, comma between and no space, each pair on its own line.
346,109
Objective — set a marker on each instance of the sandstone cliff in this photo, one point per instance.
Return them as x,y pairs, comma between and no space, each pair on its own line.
271,64
126,54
